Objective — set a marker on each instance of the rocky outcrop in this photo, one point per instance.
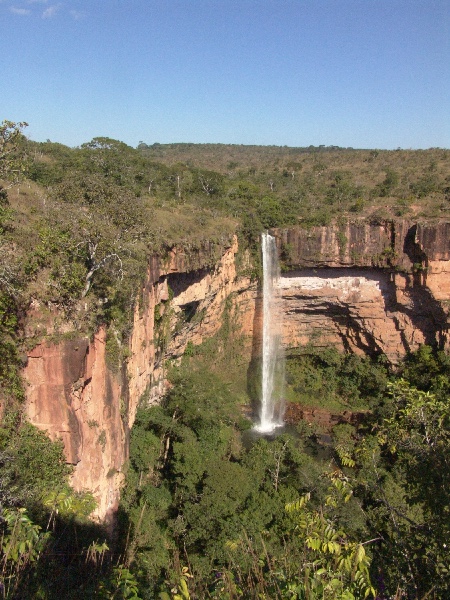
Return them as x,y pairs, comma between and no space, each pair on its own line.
73,393
374,288
368,288
398,244
321,419
72,396
199,298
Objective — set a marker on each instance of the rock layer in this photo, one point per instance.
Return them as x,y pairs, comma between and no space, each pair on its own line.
375,288
367,312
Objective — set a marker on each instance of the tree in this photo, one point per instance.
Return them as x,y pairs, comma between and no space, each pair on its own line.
404,482
94,233
12,151
334,566
21,543
387,186
12,166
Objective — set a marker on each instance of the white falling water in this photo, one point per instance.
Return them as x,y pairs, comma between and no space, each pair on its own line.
272,385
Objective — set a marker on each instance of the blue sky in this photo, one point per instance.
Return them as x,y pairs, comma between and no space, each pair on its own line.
360,73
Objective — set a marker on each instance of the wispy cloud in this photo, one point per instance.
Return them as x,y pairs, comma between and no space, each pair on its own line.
51,11
46,10
20,11
77,14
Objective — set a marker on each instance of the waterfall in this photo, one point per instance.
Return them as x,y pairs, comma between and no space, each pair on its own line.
272,384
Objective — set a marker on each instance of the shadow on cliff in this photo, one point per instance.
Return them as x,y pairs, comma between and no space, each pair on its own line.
425,313
346,326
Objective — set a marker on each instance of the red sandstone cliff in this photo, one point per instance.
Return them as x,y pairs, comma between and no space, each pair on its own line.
362,287
369,288
72,393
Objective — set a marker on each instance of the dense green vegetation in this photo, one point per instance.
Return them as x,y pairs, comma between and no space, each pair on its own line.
210,511
252,520
280,518
335,381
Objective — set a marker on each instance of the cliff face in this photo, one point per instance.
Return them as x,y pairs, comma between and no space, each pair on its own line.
73,396
368,312
361,287
401,244
366,288
72,393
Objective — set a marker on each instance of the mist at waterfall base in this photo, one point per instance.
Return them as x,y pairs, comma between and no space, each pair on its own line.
272,406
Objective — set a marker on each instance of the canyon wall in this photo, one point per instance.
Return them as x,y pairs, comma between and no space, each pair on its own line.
368,288
74,393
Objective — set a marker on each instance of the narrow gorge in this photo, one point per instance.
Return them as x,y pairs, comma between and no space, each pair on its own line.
370,288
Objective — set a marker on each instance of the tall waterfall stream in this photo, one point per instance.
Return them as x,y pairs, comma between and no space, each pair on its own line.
271,411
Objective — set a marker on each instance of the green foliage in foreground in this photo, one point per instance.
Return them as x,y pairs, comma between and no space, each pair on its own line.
22,542
411,499
28,569
48,547
270,519
210,512
197,496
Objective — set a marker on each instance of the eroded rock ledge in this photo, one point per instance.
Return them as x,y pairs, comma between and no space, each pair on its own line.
366,288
